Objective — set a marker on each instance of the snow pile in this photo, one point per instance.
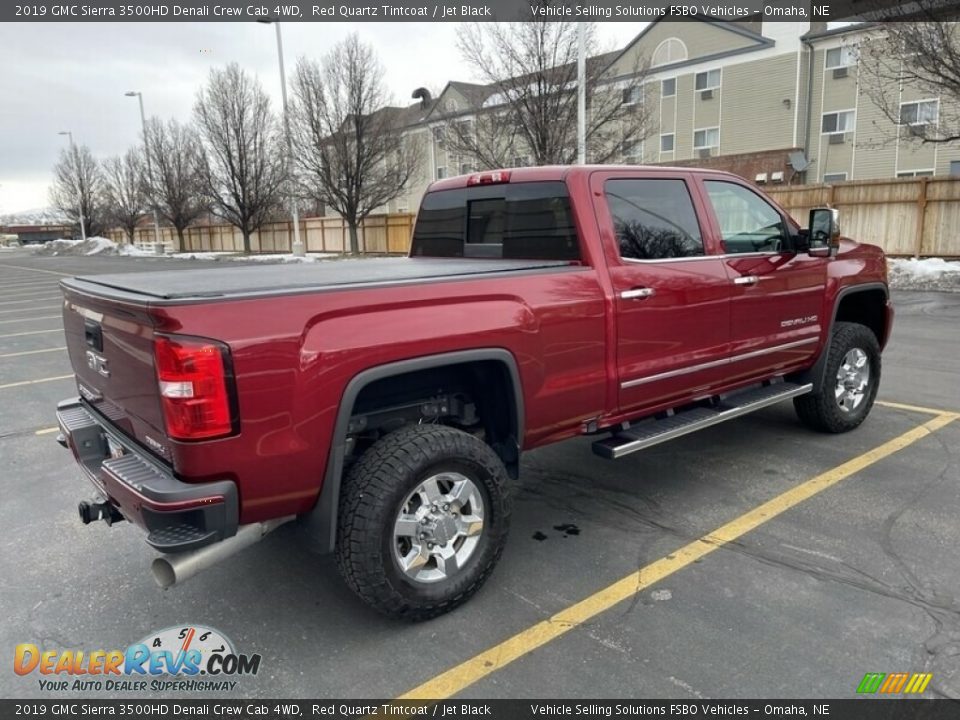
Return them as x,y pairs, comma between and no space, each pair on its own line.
286,257
926,274
90,246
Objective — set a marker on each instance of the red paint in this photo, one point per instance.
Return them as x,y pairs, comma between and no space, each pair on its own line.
574,339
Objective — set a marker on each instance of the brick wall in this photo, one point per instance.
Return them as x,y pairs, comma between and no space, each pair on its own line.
749,165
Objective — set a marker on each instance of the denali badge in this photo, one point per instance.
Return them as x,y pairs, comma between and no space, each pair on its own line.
798,321
97,363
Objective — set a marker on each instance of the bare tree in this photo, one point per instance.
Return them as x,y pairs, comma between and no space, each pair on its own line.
124,190
174,182
243,169
531,110
353,156
78,184
915,53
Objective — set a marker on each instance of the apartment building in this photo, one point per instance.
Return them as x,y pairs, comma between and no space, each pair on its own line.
776,102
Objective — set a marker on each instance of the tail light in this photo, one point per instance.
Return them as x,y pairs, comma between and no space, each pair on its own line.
196,387
489,178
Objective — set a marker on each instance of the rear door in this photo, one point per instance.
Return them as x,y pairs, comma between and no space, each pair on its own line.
776,293
672,296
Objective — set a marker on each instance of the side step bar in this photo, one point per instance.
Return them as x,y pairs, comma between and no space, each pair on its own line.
654,432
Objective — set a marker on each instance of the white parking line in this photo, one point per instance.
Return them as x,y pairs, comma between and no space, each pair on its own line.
20,302
29,269
30,309
41,317
32,352
35,382
32,332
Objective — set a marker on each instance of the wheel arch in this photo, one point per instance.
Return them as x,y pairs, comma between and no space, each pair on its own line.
319,526
852,304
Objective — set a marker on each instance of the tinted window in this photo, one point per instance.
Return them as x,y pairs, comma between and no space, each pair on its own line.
653,219
748,223
519,220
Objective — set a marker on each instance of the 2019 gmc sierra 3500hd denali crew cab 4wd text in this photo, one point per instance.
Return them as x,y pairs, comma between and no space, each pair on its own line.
385,403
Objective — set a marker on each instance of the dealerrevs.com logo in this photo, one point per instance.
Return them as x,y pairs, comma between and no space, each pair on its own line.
180,658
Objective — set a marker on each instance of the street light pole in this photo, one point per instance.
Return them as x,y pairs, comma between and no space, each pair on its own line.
581,94
298,249
73,150
157,244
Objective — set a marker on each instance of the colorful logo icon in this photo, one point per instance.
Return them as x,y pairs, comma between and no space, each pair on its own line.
894,683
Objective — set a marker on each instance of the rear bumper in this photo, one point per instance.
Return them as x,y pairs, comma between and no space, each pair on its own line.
177,516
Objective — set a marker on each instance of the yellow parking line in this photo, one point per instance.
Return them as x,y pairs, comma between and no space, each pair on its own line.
41,317
46,431
31,332
32,352
34,382
454,680
915,408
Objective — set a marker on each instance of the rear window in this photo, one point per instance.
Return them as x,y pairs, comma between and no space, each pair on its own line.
522,220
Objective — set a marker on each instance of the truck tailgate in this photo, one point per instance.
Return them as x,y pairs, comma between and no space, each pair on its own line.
110,344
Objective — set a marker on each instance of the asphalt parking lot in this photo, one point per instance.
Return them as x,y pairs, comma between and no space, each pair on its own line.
754,559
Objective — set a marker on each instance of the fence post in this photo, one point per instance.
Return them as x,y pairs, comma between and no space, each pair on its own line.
921,216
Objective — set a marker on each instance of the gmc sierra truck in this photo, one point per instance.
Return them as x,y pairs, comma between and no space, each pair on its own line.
384,404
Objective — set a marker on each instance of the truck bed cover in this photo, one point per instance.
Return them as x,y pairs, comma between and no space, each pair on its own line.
192,285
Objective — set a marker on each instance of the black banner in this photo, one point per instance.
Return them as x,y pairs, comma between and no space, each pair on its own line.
446,10
855,709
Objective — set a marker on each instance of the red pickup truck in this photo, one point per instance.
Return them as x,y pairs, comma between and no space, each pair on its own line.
384,404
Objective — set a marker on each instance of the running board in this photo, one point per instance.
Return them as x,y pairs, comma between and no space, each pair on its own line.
654,432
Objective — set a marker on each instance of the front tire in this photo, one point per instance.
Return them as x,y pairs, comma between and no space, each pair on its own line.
851,378
424,515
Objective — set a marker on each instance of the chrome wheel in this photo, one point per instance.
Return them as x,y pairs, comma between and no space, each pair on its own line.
438,527
853,377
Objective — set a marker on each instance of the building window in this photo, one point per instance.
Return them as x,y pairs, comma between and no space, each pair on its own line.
466,168
840,57
632,95
520,161
955,168
914,173
668,87
709,80
439,133
834,177
669,51
920,112
666,142
837,122
706,138
441,172
632,153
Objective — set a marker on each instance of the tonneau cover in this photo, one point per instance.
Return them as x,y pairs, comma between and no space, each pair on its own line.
271,278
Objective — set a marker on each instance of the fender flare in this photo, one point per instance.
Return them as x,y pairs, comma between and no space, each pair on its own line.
815,373
319,526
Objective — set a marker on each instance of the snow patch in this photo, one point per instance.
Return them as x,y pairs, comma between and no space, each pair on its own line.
926,274
90,246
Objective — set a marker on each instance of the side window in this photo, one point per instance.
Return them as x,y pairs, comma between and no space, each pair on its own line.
653,219
747,222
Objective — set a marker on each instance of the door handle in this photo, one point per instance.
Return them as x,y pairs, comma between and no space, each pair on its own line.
746,280
638,293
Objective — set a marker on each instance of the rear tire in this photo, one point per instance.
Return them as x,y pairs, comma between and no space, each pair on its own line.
851,377
424,515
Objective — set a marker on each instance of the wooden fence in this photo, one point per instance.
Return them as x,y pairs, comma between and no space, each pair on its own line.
378,234
905,216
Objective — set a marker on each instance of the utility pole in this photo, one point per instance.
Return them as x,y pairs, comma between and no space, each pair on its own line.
157,244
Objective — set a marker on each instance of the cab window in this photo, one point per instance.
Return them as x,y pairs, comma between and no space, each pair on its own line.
747,222
654,219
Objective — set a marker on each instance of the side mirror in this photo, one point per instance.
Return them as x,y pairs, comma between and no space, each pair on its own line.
824,233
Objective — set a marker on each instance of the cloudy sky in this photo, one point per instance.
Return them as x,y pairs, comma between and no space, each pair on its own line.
72,76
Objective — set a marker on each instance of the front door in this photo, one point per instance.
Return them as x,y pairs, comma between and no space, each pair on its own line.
672,298
777,294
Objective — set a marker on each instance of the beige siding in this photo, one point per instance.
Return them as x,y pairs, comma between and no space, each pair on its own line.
876,147
684,122
755,116
701,39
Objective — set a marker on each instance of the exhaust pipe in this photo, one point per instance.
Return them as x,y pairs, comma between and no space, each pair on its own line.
172,570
